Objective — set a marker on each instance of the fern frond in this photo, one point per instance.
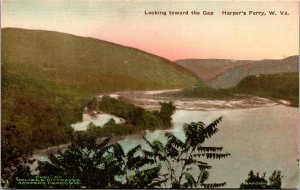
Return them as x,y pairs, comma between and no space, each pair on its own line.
211,129
203,176
172,139
216,155
209,149
133,151
118,151
213,185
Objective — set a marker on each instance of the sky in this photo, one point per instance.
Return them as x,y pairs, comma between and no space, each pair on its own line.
240,37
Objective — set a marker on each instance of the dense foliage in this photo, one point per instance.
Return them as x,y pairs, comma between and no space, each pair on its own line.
274,86
100,165
184,160
47,76
255,181
137,119
105,165
165,113
41,112
13,160
206,92
111,129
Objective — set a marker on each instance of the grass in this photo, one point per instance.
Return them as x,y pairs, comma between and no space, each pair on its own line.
48,77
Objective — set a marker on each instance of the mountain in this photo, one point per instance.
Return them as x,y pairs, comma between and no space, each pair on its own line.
94,64
208,69
48,77
222,73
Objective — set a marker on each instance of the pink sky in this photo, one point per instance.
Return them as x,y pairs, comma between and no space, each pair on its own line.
172,37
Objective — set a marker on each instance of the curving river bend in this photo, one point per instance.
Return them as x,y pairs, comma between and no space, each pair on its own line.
260,135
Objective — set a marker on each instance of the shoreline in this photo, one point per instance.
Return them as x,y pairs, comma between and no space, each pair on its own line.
63,147
150,100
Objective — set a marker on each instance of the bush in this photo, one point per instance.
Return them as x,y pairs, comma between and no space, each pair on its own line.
255,181
106,165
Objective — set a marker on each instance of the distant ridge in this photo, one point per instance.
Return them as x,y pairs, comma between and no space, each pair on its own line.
223,73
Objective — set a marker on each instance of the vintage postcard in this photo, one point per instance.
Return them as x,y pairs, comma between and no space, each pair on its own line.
104,94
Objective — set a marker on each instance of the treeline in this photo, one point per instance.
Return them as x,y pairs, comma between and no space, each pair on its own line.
173,163
106,165
137,119
276,86
273,86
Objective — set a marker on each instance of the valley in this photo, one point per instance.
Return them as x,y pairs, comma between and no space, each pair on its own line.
44,93
222,73
50,78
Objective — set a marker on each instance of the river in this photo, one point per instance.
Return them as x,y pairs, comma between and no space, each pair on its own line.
260,139
259,134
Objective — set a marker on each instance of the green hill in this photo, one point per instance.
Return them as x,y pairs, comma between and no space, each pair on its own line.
274,86
48,77
87,63
280,86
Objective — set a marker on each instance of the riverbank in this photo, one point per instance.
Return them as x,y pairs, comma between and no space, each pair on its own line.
63,147
255,131
150,100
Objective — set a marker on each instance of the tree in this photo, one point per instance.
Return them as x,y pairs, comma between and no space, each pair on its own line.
106,165
182,158
166,111
99,165
84,160
275,180
93,104
138,168
255,181
14,160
